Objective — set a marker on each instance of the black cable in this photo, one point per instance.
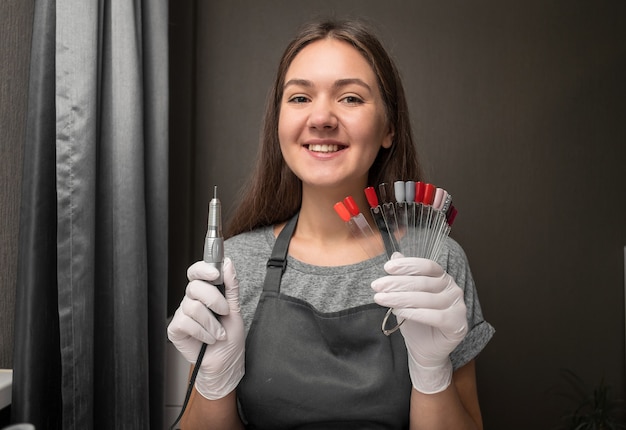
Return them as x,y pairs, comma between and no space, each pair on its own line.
192,381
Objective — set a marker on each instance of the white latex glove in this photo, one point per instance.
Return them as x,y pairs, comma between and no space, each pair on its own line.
193,324
431,304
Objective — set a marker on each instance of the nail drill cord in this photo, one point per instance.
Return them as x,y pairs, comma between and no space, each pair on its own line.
213,255
192,381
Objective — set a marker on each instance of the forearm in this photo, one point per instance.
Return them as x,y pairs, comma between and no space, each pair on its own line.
443,410
211,414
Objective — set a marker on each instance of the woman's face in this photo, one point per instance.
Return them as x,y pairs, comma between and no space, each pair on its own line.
332,119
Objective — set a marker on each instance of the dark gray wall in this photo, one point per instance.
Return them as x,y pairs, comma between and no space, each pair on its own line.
15,32
518,108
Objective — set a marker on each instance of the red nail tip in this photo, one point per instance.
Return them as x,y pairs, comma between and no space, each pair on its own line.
429,194
370,194
419,192
351,205
342,211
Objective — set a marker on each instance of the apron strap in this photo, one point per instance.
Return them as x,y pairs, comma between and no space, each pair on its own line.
277,263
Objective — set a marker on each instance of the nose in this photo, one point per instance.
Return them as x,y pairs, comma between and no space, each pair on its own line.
322,115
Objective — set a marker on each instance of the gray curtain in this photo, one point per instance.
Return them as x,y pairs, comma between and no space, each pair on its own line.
92,265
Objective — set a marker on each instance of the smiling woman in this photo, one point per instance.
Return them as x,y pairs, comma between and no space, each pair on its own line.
300,344
332,120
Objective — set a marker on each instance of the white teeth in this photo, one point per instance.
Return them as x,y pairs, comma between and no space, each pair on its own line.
324,148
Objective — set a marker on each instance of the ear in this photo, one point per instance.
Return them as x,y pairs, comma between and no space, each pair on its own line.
388,139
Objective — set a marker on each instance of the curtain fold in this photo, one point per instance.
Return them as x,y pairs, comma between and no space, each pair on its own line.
98,193
37,359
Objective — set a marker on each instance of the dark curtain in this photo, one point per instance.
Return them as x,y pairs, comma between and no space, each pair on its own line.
92,265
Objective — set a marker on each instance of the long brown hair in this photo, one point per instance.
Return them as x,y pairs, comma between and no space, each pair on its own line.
273,193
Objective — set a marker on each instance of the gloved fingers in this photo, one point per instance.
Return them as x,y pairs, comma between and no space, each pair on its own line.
204,317
400,283
209,295
400,265
453,325
203,271
231,284
417,300
185,329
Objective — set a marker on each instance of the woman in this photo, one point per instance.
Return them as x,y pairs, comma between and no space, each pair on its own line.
299,345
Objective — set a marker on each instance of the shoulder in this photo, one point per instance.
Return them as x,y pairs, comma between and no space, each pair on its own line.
250,251
251,241
452,255
454,261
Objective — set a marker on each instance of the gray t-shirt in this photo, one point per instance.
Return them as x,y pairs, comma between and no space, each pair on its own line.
335,288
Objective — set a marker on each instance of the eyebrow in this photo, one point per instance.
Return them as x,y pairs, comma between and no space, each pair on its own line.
338,83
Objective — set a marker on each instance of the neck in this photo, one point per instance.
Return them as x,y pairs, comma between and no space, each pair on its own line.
317,213
318,220
321,236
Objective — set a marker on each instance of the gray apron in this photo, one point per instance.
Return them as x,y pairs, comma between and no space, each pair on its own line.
311,370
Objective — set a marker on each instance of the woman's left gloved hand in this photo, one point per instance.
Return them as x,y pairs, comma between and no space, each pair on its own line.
431,304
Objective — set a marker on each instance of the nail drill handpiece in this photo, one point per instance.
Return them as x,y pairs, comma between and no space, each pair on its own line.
214,241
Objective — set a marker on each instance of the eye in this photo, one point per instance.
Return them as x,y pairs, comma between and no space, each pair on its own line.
352,100
298,99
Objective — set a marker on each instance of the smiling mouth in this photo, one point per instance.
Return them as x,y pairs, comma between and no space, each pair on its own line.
325,148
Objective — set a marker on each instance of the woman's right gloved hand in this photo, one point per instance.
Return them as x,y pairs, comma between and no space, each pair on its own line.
195,323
